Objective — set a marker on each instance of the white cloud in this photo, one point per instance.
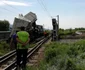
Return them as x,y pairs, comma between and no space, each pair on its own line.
4,2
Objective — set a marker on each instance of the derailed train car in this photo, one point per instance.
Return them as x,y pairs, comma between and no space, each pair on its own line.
29,22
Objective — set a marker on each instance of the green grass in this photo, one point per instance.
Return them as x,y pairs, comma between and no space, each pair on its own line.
63,56
4,48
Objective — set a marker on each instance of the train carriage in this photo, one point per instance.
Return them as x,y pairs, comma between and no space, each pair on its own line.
29,22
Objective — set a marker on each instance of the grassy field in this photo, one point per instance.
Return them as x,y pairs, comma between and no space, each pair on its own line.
58,56
63,56
4,48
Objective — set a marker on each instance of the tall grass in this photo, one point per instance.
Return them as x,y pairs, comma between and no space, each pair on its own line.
62,56
4,48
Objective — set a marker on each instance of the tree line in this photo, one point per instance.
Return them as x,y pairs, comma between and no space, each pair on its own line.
4,25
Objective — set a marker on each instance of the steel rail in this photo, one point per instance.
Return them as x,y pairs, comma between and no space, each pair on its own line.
10,54
7,56
30,53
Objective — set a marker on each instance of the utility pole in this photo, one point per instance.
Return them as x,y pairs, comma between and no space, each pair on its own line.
58,25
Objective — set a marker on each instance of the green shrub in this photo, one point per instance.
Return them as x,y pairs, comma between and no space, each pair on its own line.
73,51
50,54
4,48
81,45
62,56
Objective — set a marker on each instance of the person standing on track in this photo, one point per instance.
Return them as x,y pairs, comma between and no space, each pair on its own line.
22,47
13,42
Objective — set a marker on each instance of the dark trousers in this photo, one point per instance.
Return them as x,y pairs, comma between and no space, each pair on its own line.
21,55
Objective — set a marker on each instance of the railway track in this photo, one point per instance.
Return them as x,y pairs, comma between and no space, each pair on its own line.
8,61
11,54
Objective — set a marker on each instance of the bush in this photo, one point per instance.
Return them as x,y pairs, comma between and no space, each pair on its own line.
50,54
4,48
61,56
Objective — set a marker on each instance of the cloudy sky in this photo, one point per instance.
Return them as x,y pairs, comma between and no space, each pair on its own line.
71,12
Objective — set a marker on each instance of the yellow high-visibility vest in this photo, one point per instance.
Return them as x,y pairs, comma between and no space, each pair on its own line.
22,36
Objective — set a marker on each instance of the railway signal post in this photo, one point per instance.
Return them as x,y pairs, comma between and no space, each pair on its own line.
55,31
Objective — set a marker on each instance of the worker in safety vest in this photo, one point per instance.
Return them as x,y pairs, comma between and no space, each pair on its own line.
22,47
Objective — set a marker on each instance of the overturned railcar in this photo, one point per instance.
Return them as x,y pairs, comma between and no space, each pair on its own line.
29,22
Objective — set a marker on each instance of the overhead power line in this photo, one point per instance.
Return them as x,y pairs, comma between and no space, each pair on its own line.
44,7
7,10
11,7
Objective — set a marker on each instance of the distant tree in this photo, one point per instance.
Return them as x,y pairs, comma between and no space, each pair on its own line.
61,31
4,25
80,28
